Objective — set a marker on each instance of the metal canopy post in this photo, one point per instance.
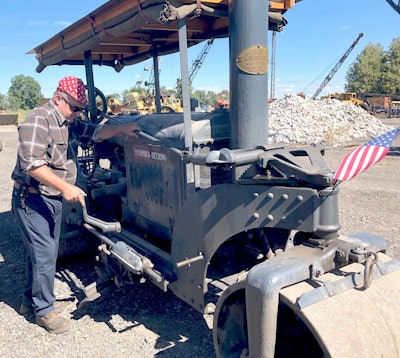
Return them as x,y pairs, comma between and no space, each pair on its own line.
183,51
248,52
187,120
157,93
90,84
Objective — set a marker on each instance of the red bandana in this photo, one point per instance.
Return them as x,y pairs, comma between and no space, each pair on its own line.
75,88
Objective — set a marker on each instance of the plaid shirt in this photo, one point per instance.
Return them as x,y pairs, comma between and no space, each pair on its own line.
43,140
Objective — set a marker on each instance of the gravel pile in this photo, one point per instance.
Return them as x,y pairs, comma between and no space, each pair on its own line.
329,122
140,320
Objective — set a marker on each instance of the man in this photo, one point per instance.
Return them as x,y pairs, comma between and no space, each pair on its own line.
43,176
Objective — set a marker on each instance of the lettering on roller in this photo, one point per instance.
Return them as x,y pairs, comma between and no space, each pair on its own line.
150,155
253,60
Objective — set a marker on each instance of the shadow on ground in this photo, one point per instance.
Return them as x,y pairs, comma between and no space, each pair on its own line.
180,329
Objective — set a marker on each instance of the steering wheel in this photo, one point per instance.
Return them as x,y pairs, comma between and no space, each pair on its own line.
101,106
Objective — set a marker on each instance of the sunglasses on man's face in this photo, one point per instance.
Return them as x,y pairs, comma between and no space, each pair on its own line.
71,107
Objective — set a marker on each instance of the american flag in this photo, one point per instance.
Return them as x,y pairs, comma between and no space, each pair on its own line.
363,157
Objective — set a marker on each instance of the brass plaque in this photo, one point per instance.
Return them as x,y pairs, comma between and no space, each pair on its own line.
253,60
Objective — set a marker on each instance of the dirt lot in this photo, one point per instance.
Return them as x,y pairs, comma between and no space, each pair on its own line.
141,321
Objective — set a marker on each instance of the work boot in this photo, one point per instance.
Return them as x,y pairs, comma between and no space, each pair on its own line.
53,322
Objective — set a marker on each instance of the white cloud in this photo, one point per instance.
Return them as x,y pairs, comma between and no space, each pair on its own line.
46,23
41,23
62,23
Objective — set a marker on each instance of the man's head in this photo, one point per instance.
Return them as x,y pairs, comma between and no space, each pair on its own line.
70,97
75,91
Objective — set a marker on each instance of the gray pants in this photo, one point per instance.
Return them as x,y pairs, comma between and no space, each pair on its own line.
39,219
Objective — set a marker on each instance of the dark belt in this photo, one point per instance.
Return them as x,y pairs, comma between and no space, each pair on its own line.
31,189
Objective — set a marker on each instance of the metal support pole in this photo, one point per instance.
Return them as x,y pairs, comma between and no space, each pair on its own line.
183,51
157,90
90,84
273,58
248,53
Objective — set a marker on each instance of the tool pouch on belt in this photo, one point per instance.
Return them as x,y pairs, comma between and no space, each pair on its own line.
24,193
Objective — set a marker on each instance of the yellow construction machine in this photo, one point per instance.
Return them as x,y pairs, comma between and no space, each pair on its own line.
144,103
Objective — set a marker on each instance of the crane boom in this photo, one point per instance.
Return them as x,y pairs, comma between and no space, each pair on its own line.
196,64
336,67
199,60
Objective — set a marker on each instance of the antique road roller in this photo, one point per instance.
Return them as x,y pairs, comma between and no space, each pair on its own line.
202,206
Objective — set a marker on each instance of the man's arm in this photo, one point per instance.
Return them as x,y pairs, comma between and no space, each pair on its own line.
70,192
107,131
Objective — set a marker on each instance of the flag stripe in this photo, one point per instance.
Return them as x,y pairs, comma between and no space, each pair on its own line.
369,156
343,171
358,161
365,156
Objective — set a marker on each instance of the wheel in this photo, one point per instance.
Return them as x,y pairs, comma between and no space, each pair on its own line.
293,338
101,106
166,109
230,326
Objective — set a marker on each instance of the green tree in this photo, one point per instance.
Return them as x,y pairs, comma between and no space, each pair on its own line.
365,73
390,79
200,95
209,98
24,93
3,101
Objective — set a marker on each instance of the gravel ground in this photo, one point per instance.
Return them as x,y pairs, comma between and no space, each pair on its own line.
141,321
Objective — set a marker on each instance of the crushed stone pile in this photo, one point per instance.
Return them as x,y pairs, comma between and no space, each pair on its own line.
328,122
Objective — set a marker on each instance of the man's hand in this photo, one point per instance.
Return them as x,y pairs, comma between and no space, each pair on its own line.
73,193
131,129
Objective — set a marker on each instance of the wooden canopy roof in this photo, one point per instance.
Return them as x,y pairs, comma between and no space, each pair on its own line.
126,32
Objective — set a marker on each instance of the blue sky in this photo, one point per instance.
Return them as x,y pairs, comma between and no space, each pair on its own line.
318,33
